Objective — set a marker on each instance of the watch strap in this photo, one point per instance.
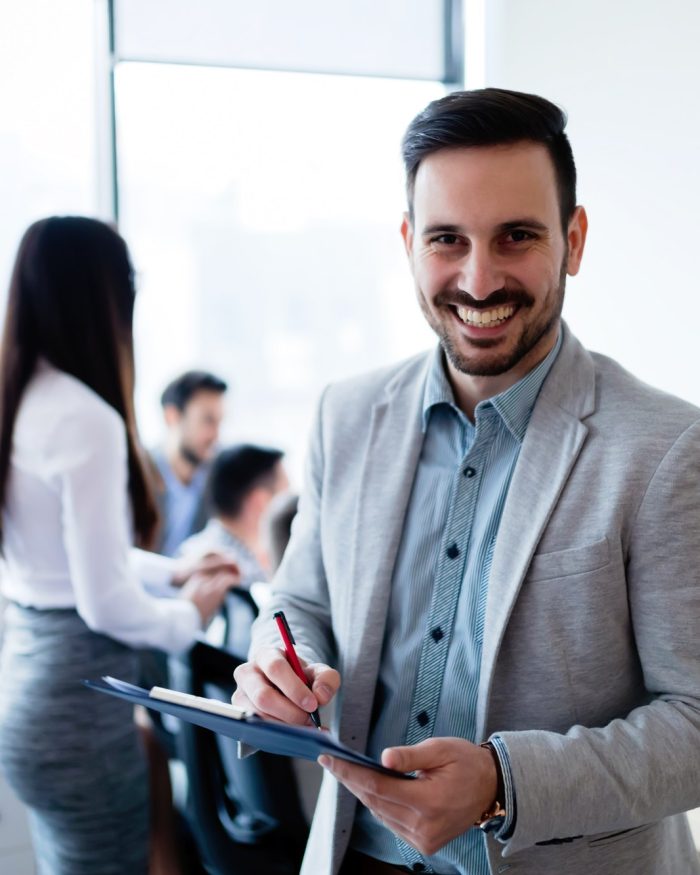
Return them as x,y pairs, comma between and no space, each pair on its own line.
494,817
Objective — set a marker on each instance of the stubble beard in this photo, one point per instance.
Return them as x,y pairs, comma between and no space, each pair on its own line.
532,333
192,458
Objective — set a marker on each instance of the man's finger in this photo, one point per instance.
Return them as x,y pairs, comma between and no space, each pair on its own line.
325,681
265,699
240,700
430,754
273,664
370,786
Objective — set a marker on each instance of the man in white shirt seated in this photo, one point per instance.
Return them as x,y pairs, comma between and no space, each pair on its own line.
243,481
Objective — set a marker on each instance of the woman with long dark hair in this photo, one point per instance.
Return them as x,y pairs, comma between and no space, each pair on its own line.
74,496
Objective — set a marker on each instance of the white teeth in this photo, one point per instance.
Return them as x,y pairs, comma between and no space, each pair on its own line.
487,318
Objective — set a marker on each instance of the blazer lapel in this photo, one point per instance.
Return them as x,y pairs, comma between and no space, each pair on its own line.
552,443
391,456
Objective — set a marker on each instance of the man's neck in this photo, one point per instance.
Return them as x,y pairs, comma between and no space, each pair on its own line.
181,467
469,390
247,531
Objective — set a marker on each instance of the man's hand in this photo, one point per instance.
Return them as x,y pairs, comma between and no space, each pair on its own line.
455,784
268,686
207,591
209,563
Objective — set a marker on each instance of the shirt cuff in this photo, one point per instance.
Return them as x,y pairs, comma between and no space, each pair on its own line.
506,830
153,570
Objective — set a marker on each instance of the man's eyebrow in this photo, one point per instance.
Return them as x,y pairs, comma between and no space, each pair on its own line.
526,222
442,229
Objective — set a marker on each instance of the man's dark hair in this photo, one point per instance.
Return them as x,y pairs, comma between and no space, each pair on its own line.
238,470
182,388
492,117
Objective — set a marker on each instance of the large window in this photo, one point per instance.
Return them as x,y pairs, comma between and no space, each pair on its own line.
263,210
47,116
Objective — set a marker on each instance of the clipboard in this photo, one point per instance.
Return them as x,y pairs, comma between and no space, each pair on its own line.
250,730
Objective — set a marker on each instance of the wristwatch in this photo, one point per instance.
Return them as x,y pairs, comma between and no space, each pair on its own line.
494,817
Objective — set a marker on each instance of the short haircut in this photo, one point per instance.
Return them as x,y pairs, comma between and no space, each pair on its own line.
238,470
180,391
492,117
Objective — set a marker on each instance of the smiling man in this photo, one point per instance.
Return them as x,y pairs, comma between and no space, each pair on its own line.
494,563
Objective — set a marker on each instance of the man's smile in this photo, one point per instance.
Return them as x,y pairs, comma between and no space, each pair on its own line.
485,318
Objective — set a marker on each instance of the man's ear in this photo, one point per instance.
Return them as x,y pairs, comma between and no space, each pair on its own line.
256,501
407,234
576,239
172,415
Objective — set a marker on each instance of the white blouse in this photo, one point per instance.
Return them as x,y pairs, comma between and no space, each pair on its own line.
67,520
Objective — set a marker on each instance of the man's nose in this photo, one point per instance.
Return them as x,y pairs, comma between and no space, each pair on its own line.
480,274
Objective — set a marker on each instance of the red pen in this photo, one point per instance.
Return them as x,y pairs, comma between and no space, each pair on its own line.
288,641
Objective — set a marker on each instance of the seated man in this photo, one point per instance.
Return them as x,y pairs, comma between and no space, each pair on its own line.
242,483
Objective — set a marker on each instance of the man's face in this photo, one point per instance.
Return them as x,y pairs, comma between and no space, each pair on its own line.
281,480
488,255
198,425
259,498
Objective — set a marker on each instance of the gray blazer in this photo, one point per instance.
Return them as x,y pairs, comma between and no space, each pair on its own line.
591,653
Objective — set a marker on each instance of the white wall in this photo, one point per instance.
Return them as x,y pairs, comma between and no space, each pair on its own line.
628,75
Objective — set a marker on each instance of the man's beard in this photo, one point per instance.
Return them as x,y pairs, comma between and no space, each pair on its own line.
191,457
479,365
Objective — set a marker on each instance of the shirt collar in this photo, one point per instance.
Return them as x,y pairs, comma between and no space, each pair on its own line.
172,481
514,405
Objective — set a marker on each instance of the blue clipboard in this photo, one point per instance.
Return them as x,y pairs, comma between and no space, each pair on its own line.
280,738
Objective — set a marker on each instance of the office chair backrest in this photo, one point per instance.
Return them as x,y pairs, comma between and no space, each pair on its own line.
246,814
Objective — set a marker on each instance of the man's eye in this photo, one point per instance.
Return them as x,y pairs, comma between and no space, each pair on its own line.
445,240
519,236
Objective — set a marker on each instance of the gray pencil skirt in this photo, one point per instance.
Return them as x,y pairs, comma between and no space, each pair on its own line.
71,755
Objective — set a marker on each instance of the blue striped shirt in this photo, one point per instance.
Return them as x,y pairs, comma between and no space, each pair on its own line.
436,611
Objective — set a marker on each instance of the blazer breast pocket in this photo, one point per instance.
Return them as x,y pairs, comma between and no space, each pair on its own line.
566,563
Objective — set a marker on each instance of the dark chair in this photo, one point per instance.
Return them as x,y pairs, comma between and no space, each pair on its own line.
245,814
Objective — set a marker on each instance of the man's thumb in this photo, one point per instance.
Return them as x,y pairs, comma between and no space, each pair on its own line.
325,682
412,757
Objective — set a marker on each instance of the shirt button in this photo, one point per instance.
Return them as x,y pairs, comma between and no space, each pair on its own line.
452,551
418,867
469,471
423,718
436,634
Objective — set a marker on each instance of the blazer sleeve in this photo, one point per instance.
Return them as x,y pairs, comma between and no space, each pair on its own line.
299,587
645,766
